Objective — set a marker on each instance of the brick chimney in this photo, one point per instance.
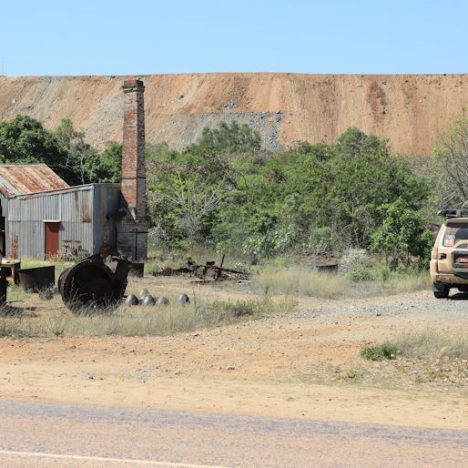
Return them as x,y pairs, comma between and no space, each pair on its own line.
132,229
133,151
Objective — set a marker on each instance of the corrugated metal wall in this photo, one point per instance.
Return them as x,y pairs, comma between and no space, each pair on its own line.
82,212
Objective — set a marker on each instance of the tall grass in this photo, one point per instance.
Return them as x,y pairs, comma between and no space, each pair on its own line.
296,280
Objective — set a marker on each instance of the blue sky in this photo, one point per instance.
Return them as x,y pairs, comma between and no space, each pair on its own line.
114,37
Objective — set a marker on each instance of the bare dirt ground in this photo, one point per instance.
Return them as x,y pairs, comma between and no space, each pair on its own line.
304,364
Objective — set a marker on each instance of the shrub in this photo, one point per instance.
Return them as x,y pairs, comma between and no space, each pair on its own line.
353,258
359,275
380,352
402,236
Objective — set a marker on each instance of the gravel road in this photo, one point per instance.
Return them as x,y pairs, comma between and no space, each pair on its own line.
410,304
41,434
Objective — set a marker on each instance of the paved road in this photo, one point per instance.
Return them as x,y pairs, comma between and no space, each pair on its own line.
38,434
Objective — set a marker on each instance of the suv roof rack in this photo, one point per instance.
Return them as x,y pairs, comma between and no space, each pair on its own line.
453,213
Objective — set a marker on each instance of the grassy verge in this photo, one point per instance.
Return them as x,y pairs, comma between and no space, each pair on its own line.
139,321
430,359
426,357
428,345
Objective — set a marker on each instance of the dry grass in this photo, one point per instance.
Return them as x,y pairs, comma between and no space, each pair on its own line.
302,282
433,344
430,357
16,293
138,321
297,281
403,283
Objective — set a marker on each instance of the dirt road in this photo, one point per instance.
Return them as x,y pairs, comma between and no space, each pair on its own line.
41,434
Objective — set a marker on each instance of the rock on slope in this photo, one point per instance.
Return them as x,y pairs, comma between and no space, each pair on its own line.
409,110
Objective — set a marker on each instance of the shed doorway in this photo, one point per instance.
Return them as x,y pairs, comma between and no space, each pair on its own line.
52,230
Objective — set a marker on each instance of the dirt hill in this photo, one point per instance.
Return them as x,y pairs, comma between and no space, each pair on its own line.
409,110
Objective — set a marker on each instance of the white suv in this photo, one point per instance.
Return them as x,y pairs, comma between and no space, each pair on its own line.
449,258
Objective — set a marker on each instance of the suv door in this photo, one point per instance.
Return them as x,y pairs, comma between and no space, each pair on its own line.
441,252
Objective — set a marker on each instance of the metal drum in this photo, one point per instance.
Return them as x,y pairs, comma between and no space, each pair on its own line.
91,284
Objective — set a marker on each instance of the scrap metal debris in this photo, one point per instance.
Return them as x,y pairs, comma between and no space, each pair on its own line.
205,273
321,261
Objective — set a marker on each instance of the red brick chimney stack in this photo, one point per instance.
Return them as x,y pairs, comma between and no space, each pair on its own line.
132,229
133,151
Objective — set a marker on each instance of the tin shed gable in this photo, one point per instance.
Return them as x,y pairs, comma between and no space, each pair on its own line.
21,179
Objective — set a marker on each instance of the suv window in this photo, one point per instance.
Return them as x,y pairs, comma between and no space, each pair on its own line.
454,233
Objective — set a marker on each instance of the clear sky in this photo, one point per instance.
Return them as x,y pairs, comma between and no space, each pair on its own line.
114,37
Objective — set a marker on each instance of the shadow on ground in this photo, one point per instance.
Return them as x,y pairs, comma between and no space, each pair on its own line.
12,311
461,296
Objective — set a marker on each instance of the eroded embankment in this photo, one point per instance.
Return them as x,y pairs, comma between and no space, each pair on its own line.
409,110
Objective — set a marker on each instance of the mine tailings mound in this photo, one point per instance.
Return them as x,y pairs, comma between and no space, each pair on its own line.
409,110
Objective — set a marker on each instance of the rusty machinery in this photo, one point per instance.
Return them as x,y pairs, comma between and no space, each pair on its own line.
91,284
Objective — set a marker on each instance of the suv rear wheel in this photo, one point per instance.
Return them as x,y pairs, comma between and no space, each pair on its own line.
441,291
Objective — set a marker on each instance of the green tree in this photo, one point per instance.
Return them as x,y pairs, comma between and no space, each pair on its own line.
105,166
365,176
313,197
79,153
24,140
450,162
189,190
402,234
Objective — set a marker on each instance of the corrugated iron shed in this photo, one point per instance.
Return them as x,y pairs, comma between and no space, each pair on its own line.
21,179
84,215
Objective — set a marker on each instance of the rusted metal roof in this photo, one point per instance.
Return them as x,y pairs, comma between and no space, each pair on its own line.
20,179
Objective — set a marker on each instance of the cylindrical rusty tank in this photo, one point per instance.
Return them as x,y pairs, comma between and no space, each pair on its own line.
91,284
